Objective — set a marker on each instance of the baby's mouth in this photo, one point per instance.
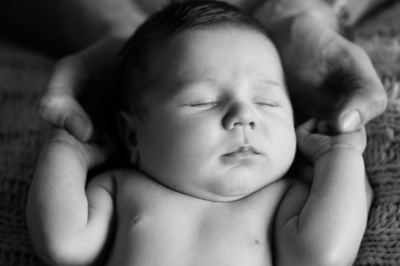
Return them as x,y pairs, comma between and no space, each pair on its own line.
243,151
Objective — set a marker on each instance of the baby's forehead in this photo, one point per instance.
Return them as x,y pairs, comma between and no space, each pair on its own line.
184,62
181,38
174,48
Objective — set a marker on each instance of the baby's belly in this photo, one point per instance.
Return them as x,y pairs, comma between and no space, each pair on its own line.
177,239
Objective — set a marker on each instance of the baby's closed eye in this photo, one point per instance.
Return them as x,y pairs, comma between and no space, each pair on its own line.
266,103
206,102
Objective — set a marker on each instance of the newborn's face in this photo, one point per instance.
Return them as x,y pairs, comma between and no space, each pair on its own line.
220,123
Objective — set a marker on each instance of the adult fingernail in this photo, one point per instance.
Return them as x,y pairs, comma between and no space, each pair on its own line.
77,126
351,121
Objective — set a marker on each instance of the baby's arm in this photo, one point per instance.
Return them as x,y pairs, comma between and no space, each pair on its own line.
70,224
325,225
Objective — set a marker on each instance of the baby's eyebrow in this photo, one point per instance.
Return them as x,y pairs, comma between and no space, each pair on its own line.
193,83
270,85
259,84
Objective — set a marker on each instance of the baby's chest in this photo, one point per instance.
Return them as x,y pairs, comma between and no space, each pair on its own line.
184,230
186,236
172,220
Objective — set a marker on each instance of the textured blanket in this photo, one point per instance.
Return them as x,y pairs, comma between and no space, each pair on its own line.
24,73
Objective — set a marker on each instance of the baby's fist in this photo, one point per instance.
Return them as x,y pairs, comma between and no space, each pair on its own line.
90,154
314,139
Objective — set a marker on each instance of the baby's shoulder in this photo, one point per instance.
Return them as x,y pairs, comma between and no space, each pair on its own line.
294,187
133,185
126,178
271,195
120,180
279,190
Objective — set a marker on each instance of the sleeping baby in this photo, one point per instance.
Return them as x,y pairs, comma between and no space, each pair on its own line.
209,128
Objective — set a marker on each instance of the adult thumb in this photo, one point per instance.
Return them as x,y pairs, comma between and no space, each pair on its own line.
364,96
59,105
360,106
61,110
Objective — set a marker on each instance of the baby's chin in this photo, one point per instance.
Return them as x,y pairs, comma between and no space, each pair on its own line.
235,188
227,189
219,195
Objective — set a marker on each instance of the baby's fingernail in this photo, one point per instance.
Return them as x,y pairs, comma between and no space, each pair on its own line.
351,121
77,126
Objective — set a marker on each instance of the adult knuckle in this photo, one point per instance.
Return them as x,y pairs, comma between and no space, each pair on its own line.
46,107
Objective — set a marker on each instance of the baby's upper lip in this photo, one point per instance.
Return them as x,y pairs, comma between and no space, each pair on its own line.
243,150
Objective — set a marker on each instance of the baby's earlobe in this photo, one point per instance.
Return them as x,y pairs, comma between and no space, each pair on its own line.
127,129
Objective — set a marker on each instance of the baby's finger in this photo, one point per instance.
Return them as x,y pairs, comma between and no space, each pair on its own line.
97,155
304,138
305,130
324,128
307,127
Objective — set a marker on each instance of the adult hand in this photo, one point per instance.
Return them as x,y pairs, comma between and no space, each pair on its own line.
70,82
328,76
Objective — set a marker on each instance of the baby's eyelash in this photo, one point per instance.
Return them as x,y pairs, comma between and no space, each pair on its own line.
266,103
203,103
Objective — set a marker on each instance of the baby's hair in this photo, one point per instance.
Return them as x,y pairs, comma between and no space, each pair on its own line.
176,18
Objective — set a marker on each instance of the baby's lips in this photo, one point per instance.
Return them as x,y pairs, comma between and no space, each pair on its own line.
244,149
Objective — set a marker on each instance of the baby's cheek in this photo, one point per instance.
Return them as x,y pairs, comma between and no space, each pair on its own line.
286,145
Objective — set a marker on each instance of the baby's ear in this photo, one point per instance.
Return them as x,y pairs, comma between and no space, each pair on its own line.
128,125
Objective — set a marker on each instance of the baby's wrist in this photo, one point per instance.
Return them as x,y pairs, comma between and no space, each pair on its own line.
68,146
337,149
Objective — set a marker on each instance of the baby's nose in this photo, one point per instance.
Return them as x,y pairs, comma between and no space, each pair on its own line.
239,115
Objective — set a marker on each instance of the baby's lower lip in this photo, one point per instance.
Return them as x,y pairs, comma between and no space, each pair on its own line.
241,154
240,158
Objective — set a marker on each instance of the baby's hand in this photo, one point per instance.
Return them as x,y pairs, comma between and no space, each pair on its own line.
315,140
89,154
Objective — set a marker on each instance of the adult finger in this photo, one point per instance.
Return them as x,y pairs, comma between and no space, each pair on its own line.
63,111
365,96
59,106
68,76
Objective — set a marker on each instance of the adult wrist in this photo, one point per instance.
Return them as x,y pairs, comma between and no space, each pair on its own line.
124,30
278,16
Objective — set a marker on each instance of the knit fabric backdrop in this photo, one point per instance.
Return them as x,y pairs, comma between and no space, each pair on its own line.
379,35
23,76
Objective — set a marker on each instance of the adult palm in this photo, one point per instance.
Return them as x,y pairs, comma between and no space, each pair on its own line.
328,76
